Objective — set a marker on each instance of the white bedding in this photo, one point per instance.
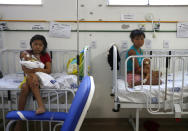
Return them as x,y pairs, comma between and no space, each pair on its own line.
128,94
12,81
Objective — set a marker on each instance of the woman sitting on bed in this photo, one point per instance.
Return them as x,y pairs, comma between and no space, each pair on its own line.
38,50
137,37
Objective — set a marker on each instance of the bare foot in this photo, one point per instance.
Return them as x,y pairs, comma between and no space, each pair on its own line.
40,110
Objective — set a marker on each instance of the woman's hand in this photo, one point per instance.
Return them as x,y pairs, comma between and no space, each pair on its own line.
27,70
38,70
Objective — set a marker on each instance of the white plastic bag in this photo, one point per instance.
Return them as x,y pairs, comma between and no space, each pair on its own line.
47,81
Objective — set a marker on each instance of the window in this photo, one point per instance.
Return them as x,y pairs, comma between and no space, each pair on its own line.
147,2
127,2
21,2
168,2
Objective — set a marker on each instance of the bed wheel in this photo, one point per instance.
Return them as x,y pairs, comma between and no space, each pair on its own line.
111,94
116,110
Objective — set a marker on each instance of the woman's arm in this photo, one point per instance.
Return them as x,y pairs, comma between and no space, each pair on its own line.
27,71
47,68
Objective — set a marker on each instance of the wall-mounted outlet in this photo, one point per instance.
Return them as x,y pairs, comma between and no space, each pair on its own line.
166,44
23,44
124,44
93,44
148,43
1,44
1,40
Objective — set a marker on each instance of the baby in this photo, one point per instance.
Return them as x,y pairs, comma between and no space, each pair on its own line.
155,74
146,64
31,62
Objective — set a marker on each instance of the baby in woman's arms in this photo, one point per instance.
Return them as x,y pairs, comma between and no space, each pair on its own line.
31,62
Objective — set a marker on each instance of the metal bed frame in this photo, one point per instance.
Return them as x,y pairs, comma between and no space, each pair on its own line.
54,99
176,108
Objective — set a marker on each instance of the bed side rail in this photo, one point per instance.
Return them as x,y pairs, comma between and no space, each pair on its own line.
170,104
53,99
87,65
9,60
114,72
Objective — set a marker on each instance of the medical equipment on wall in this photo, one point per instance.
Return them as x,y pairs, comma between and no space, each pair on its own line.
155,25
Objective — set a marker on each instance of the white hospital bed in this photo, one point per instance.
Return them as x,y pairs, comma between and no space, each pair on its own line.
169,98
54,99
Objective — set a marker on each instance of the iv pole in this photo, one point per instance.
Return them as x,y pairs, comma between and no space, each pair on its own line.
78,61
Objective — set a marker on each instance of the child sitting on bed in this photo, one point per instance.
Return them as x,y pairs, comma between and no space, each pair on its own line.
38,45
137,38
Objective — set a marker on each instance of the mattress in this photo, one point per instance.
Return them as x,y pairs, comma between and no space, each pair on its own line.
155,93
12,81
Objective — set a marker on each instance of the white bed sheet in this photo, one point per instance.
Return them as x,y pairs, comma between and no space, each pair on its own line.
12,81
128,95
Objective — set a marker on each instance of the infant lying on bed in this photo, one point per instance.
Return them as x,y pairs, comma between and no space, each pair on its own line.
31,62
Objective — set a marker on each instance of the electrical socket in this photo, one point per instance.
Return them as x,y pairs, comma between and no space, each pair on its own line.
124,44
148,43
93,44
23,44
166,44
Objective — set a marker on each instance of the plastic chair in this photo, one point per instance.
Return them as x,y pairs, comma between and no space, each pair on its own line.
72,119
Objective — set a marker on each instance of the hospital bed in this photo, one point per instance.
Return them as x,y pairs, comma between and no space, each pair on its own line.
54,99
168,98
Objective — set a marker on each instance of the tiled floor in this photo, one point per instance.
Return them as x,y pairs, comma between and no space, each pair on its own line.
120,124
123,125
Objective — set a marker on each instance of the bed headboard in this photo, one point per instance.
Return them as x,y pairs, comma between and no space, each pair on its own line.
9,60
156,61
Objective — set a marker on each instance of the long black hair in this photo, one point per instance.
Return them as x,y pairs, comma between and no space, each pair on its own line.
43,39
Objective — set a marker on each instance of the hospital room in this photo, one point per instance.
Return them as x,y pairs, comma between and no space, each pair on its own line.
93,65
